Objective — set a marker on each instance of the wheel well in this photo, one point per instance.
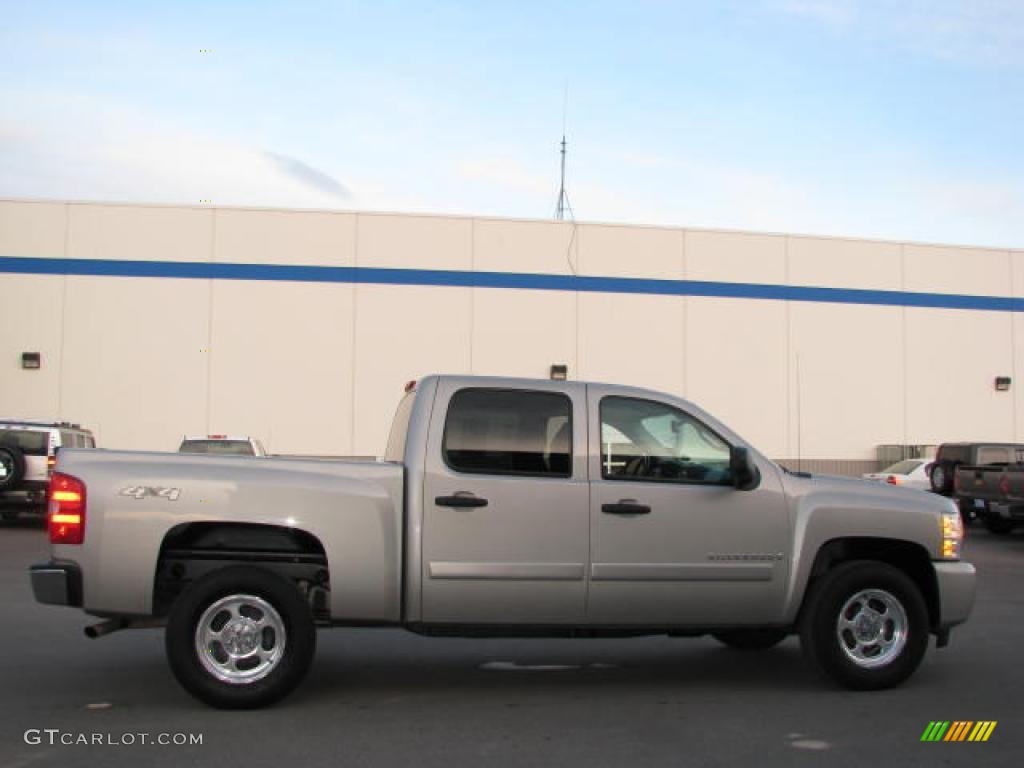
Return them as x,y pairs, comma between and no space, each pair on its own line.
191,550
907,556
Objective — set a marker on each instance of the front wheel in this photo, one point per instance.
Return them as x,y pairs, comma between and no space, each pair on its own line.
240,638
866,625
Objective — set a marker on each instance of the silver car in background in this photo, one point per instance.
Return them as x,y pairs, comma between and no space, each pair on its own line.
909,473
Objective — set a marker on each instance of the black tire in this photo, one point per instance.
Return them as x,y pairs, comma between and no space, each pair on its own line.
968,512
942,477
759,639
998,526
844,586
248,584
9,515
12,466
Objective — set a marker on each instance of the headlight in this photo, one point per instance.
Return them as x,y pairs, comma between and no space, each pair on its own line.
952,535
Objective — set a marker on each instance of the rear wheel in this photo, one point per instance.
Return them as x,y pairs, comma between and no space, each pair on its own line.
240,638
865,625
759,639
9,515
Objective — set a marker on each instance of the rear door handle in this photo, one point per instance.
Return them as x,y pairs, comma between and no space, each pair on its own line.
626,507
460,500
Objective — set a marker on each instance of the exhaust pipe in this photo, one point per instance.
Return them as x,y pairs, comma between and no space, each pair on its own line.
105,628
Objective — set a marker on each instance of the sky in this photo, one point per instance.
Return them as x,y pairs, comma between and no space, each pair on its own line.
897,119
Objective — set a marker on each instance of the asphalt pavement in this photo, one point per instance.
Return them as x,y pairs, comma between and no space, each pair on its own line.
389,698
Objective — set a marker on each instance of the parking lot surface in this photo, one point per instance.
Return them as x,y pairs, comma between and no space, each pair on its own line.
385,697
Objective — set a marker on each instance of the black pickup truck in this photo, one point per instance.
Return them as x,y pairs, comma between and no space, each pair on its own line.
952,456
996,491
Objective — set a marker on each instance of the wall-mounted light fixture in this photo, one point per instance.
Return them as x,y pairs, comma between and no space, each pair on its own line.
31,361
559,372
1003,383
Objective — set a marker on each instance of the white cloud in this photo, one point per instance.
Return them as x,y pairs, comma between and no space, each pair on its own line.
81,150
977,31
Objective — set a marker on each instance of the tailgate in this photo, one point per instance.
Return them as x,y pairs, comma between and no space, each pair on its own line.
980,482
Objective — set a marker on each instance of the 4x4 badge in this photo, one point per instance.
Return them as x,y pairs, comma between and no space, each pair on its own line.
141,491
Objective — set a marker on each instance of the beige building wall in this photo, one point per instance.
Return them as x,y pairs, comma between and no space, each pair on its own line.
318,367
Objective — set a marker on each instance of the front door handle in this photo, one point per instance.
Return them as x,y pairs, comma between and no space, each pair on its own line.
460,499
626,507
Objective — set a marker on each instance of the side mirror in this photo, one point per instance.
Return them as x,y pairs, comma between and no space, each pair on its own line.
745,475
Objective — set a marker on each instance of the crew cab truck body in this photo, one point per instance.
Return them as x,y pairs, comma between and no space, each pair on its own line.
997,490
504,507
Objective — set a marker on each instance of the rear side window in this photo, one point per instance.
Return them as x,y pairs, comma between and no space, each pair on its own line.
217,447
509,432
31,442
995,454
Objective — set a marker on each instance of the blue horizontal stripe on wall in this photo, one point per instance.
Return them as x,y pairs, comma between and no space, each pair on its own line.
465,279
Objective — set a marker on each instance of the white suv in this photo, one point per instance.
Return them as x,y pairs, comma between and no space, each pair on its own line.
28,451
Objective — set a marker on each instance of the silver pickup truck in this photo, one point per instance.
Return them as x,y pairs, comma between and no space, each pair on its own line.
503,507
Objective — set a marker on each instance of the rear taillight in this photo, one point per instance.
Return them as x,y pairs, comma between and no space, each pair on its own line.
1004,485
892,480
66,509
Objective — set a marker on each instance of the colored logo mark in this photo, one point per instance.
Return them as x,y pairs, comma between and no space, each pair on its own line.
958,730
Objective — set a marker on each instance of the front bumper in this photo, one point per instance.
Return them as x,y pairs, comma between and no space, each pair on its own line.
956,582
57,583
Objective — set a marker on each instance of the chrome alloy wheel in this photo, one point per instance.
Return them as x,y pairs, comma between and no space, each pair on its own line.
872,628
240,639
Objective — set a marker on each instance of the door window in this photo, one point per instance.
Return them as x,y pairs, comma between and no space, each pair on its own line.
650,441
509,432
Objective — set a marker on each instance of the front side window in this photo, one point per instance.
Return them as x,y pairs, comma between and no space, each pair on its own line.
509,432
646,440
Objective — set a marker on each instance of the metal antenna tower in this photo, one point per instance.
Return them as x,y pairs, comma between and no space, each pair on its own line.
563,204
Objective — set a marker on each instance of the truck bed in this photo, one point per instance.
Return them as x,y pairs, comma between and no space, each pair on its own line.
135,499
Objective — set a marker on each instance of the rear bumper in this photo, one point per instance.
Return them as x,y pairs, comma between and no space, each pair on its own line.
27,496
57,583
1006,511
956,582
